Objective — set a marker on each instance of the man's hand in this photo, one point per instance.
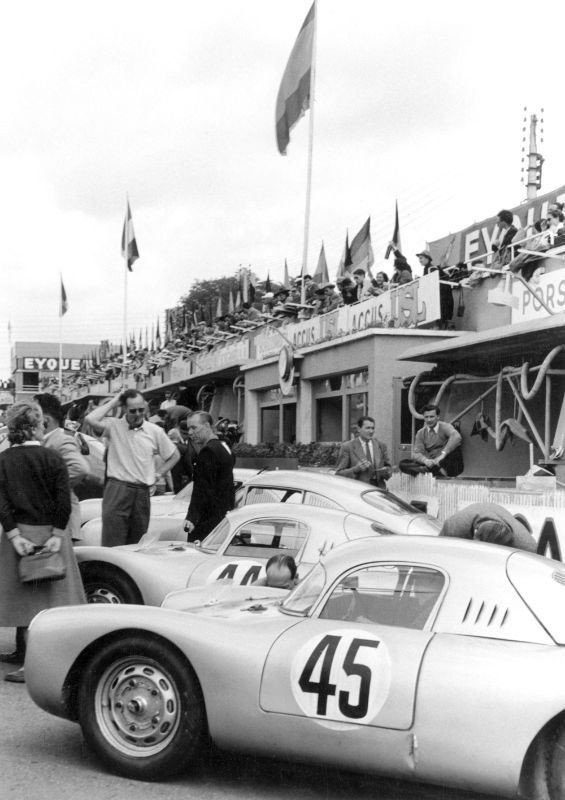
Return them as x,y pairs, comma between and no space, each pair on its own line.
362,466
188,526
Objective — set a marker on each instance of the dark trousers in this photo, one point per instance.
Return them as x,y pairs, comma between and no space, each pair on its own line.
126,508
451,466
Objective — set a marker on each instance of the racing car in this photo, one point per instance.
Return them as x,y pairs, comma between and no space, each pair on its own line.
420,658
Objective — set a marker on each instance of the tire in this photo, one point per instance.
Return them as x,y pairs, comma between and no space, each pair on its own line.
141,709
557,765
104,585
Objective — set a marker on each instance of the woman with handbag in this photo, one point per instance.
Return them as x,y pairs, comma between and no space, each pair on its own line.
35,506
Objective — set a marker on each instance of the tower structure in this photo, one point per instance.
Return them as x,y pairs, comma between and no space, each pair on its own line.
532,161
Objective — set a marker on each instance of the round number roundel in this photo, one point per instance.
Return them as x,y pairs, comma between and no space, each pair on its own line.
342,675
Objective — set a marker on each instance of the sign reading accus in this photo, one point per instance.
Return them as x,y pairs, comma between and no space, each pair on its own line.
51,364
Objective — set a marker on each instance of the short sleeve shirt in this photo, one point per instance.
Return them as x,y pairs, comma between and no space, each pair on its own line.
132,451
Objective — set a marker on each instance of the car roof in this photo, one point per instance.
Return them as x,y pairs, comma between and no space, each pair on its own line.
314,481
440,551
308,514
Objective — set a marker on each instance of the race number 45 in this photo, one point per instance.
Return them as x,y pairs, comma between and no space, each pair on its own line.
340,676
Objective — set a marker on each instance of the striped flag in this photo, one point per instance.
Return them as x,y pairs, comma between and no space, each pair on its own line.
395,241
361,249
64,303
129,243
344,266
321,275
293,98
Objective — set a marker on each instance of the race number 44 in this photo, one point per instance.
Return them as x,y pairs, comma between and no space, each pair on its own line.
341,676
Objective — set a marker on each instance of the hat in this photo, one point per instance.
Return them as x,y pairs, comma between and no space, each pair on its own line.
281,291
321,291
425,254
328,286
359,271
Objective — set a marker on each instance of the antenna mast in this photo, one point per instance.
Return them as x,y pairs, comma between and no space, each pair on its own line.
532,161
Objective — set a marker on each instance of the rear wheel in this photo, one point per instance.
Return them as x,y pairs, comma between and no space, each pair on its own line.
141,709
103,585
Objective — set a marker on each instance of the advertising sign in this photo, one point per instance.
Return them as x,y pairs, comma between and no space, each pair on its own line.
549,287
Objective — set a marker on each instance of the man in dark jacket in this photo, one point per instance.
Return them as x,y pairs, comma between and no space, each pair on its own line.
489,522
365,458
213,494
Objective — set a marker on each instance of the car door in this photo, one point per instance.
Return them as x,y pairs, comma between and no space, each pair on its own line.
356,660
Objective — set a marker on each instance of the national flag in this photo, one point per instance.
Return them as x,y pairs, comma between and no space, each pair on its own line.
238,298
129,243
231,306
268,287
321,275
169,322
219,309
344,266
293,98
286,279
251,288
361,249
244,284
395,241
158,337
140,339
64,303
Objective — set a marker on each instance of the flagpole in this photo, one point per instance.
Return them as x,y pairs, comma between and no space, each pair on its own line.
126,255
61,337
310,157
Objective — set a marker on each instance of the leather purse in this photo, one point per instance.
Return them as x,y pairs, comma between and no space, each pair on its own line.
43,565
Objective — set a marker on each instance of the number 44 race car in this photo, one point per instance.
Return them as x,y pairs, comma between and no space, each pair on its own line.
420,658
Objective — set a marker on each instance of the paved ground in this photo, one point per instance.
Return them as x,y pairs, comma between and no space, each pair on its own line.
42,756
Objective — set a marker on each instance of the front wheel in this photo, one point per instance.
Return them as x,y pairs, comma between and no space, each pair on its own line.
102,585
557,765
141,709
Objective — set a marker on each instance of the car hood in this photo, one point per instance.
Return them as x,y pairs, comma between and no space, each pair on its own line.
224,600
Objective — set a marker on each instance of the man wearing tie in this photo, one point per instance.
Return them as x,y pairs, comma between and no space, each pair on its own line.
365,458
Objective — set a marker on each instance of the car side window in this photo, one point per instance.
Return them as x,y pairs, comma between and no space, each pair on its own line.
263,538
264,494
318,500
400,595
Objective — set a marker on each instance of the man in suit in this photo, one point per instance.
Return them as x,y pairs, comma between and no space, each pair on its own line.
437,447
365,458
489,522
213,494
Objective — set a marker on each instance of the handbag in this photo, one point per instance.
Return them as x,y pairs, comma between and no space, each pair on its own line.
42,565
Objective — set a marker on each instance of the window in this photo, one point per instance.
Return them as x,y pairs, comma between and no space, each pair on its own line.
329,410
271,494
30,381
216,537
313,499
301,599
387,503
402,596
270,424
263,538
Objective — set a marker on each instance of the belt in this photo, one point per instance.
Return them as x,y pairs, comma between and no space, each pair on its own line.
131,484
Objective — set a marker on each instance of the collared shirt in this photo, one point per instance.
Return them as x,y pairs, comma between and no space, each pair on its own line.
131,451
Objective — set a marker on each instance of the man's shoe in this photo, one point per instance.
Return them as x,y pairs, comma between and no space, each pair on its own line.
15,677
12,658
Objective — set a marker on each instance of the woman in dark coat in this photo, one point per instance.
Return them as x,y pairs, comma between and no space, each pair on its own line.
35,506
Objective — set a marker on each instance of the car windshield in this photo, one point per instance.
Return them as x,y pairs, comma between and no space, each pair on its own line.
217,537
303,597
388,503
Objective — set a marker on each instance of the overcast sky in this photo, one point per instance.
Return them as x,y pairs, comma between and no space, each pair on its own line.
174,103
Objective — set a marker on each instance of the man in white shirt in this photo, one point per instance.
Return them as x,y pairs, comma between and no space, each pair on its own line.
132,445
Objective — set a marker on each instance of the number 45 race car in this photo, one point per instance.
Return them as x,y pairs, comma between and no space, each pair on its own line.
425,659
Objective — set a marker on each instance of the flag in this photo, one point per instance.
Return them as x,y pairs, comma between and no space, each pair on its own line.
251,288
238,298
321,275
244,284
231,307
395,236
286,279
361,249
268,287
129,243
344,266
158,337
64,304
219,310
294,92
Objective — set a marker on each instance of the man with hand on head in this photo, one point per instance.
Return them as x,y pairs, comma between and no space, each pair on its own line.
132,443
365,458
213,494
